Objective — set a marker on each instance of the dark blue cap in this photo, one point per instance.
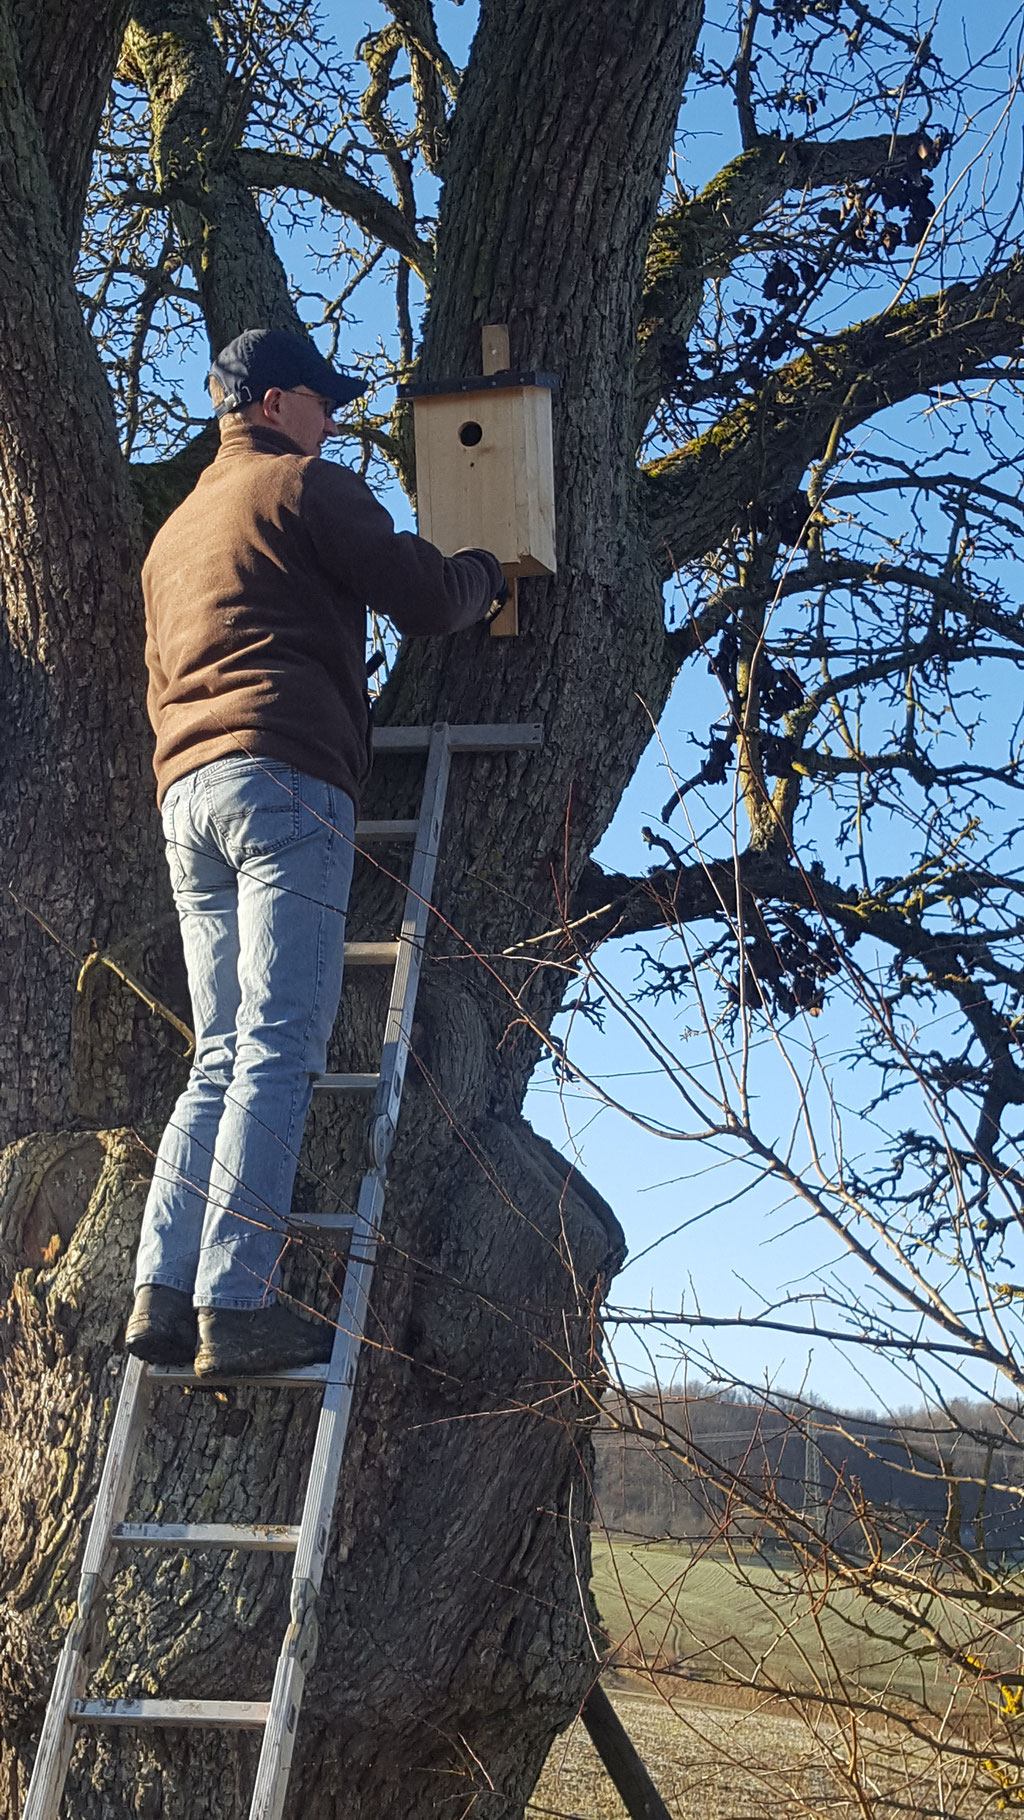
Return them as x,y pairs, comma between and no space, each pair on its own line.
260,358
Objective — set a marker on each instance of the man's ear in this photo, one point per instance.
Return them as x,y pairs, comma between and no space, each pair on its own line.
271,403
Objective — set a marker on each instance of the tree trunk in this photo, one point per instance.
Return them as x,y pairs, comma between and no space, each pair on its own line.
237,272
457,1634
77,833
453,1599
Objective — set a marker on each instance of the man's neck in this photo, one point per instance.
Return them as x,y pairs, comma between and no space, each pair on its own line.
236,433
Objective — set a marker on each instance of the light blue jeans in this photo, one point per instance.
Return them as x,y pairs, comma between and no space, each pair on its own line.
260,857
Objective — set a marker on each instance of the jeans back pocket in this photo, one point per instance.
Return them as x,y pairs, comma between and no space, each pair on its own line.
254,806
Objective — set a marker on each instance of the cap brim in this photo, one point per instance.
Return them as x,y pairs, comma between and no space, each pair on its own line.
344,390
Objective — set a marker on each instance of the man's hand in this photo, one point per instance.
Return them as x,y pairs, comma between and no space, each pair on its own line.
500,599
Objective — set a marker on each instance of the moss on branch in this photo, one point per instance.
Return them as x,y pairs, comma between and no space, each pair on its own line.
702,235
326,178
756,455
162,485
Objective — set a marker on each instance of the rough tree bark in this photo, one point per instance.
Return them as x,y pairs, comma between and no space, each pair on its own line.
195,117
77,832
456,1631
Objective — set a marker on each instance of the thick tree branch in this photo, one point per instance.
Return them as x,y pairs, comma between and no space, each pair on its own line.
840,572
162,485
434,76
67,59
699,238
811,763
617,905
195,127
415,19
757,455
326,178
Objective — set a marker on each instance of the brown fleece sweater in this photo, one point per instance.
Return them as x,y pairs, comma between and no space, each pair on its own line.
256,593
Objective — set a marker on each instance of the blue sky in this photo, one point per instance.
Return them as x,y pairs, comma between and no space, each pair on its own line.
699,1233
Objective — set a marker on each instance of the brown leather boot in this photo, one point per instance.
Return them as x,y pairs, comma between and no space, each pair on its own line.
162,1326
246,1342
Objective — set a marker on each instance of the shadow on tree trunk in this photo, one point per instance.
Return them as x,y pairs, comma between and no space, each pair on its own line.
465,1490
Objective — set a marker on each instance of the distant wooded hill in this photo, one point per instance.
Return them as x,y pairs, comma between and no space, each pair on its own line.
685,1467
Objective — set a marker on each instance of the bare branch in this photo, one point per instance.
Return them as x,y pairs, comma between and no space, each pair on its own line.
326,178
615,904
695,240
759,452
434,76
839,572
744,72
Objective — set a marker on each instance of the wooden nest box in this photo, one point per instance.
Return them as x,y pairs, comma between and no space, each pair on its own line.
484,469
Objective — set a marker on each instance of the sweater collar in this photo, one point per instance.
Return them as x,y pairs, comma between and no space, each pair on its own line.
247,438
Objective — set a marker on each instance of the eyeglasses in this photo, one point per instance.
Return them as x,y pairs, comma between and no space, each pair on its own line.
327,405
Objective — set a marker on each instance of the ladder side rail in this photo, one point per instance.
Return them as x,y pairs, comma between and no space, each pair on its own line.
56,1742
321,1489
318,1507
119,1466
402,1008
299,1646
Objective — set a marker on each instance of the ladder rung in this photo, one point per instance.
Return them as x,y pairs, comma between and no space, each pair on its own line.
346,1083
509,737
306,1541
386,830
226,1715
273,1538
324,1222
303,1377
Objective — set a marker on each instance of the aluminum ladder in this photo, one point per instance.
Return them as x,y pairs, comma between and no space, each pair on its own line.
277,1718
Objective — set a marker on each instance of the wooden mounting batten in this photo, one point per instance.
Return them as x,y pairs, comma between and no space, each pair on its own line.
497,359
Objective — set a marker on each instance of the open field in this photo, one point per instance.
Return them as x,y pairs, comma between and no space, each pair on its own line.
719,1748
713,1763
662,1605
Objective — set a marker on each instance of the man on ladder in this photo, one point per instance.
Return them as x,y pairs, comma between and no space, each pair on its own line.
256,593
